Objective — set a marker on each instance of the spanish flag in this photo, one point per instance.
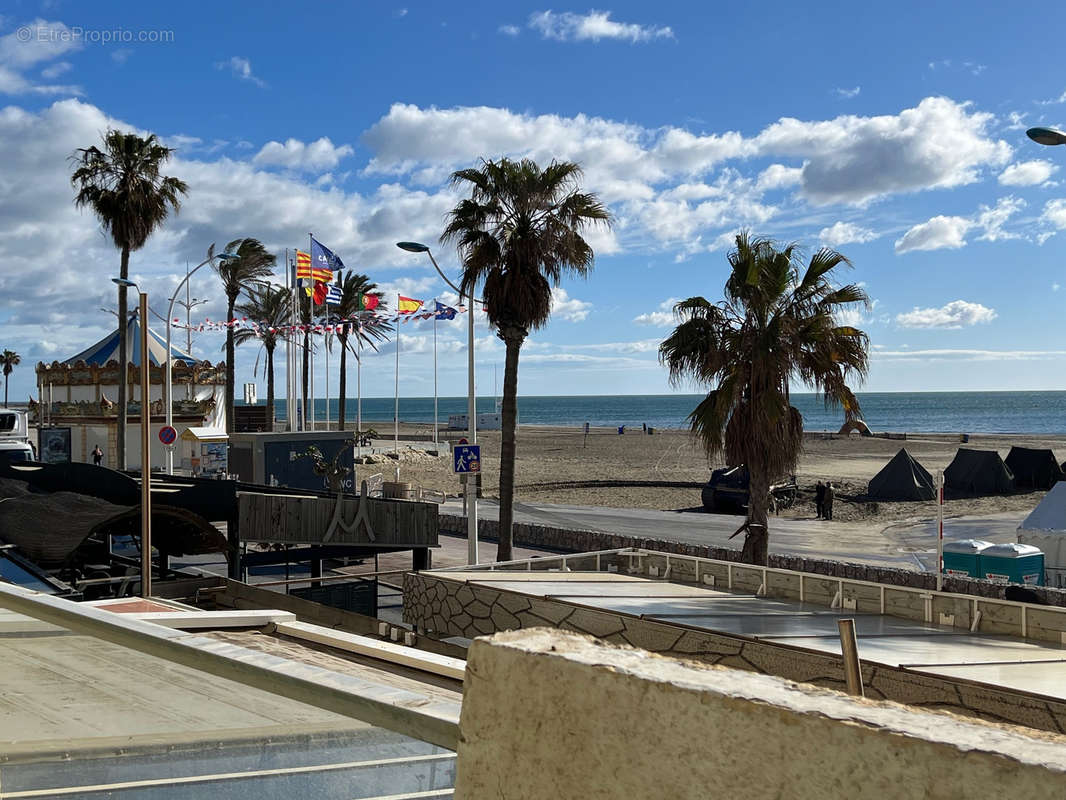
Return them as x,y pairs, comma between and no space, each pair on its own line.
408,305
304,271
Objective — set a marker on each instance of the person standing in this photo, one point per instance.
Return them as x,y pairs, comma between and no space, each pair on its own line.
827,503
819,499
98,455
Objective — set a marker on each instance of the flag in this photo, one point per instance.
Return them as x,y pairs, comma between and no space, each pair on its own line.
333,295
307,275
368,302
443,311
324,259
321,290
409,305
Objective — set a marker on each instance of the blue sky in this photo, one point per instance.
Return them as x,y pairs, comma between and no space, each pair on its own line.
893,133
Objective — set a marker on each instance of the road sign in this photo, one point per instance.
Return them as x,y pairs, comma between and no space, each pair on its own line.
167,434
463,441
466,458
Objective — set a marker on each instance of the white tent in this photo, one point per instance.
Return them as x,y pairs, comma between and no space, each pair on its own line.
1045,527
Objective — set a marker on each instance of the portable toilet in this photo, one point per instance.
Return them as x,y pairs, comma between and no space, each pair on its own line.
1012,563
961,558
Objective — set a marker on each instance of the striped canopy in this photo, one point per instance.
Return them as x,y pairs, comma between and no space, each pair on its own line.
106,349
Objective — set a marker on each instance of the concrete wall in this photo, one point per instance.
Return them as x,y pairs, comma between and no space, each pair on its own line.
453,608
585,541
549,714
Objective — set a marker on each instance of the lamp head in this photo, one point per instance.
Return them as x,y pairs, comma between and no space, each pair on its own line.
413,247
123,282
1048,136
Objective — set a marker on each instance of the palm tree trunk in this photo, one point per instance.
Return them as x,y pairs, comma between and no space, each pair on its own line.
123,357
7,380
232,301
756,541
270,388
508,449
343,389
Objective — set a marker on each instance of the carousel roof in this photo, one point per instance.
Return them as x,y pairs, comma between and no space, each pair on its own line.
106,349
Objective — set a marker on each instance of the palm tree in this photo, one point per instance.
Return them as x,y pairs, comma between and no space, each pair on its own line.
123,186
252,264
268,307
517,234
9,359
369,327
778,321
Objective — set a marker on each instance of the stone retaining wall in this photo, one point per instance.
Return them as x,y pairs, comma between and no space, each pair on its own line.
568,540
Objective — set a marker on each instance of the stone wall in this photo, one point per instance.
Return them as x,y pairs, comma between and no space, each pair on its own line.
569,540
455,608
595,721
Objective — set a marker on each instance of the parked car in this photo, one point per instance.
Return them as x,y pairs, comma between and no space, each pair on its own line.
728,489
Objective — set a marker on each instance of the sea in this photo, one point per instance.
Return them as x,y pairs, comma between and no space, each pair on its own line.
911,412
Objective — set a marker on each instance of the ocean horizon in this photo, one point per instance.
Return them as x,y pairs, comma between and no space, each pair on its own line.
1042,412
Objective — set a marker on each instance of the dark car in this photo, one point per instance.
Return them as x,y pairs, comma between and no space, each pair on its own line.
728,489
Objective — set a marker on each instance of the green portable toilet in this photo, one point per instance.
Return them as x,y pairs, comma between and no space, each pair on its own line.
961,558
1012,563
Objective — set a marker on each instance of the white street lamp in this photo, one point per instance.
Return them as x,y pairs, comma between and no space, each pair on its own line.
1048,136
471,401
168,402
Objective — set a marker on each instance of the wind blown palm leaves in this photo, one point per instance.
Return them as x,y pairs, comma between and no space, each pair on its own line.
9,359
370,328
268,306
124,187
253,264
779,321
518,233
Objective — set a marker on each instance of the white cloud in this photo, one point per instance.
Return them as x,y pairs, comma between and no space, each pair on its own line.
992,219
27,47
569,308
294,154
1055,287
936,234
663,318
1027,173
956,314
845,233
1055,213
965,354
593,26
241,67
778,176
509,30
847,94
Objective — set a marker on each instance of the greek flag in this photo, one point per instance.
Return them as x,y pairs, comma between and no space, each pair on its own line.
333,295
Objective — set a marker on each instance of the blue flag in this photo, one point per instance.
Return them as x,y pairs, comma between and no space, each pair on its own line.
443,311
333,295
324,258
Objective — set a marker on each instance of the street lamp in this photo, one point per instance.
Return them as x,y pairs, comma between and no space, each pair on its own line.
146,452
167,402
1048,136
471,404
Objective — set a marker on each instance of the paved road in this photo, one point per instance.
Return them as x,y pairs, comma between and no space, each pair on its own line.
920,538
811,538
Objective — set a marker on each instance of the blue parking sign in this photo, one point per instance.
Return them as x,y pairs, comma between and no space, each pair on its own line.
466,458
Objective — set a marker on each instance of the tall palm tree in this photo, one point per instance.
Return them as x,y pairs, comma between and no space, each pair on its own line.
253,264
268,307
124,187
9,359
369,327
778,321
517,234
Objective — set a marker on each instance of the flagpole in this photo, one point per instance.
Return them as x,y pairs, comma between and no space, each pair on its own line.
434,371
396,410
311,338
288,347
325,346
359,384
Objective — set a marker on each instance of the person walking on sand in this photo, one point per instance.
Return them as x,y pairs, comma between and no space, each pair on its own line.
98,455
819,499
827,503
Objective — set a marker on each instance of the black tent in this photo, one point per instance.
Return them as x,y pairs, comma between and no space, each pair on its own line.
978,472
1033,467
902,478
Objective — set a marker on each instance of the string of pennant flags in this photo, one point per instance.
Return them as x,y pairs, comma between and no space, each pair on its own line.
350,325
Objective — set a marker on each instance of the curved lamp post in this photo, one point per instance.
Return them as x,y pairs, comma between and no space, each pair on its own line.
146,452
1048,136
471,400
168,403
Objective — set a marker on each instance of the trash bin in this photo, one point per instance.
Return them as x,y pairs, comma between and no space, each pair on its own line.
621,429
1012,563
964,438
397,490
961,558
651,431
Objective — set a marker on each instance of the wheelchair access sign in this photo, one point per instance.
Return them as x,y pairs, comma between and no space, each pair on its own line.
466,458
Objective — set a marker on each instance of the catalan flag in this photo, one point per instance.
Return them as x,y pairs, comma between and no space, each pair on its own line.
305,272
408,305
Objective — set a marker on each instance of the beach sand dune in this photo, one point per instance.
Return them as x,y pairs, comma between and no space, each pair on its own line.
558,465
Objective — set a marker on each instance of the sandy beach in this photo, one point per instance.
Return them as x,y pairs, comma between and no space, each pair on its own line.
558,465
